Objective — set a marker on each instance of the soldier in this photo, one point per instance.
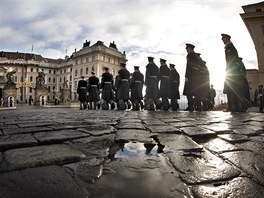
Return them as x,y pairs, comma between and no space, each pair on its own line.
122,83
82,91
107,89
136,86
93,89
151,82
174,87
232,82
212,95
164,78
193,60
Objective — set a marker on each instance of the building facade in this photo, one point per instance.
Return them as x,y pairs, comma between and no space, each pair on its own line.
58,71
253,18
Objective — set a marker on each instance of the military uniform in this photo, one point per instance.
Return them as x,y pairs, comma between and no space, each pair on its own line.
107,90
122,94
151,82
82,91
164,78
93,89
136,86
174,87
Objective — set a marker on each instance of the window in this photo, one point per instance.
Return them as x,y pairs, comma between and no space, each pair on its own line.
61,71
81,72
92,68
76,72
70,78
31,69
87,70
49,80
93,58
54,72
30,78
258,10
64,70
49,71
60,79
54,80
30,89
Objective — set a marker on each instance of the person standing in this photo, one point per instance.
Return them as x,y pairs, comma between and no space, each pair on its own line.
191,73
261,98
82,91
174,87
151,82
107,89
212,94
122,86
30,100
232,84
164,78
93,89
136,86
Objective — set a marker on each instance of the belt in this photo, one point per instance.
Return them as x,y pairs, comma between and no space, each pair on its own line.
93,85
153,76
165,76
138,81
83,88
107,82
124,80
175,81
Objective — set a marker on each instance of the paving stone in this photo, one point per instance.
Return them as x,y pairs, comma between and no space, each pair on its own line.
237,187
201,168
126,135
218,145
1,157
97,130
41,156
259,138
25,130
34,124
59,136
41,182
132,121
198,133
183,124
164,129
234,138
248,130
171,120
101,140
131,126
154,122
14,141
179,142
219,128
251,163
255,147
8,127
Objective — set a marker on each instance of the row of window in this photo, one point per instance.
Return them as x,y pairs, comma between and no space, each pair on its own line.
98,57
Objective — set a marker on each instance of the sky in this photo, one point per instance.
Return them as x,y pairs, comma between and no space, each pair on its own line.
141,28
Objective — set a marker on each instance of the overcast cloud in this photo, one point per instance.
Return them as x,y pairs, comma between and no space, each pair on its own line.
142,28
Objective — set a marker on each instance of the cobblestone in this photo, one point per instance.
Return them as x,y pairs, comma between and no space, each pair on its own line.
66,152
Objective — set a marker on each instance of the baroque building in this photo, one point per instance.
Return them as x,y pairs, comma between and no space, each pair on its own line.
253,18
57,71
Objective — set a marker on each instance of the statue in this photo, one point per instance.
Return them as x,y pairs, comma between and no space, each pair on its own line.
65,84
10,78
40,79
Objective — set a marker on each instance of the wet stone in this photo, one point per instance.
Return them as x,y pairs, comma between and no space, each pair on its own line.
14,141
219,146
91,149
101,140
59,136
170,120
126,135
97,130
25,130
34,124
164,129
41,155
198,133
154,122
248,130
259,138
237,187
234,138
131,121
138,126
179,142
182,124
41,182
219,128
255,147
251,163
201,168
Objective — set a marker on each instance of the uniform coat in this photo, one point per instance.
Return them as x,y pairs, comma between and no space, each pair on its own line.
107,86
136,86
174,84
123,84
164,78
151,81
82,90
93,89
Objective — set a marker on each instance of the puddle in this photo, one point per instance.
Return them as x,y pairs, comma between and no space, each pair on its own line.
135,149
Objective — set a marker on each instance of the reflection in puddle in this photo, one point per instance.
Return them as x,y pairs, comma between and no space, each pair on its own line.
136,149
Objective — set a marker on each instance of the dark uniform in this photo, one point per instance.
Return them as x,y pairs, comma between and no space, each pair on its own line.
107,90
151,82
232,84
164,78
82,91
93,89
174,87
191,76
136,86
122,88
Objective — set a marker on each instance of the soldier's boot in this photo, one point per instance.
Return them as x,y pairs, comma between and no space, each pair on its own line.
112,103
141,104
121,105
105,105
90,105
128,104
174,105
136,105
158,104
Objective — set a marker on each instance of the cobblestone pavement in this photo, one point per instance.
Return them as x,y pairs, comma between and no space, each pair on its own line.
69,153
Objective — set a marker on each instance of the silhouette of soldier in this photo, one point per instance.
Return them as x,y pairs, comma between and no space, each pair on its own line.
82,91
164,78
193,60
174,87
93,89
136,86
122,94
107,89
151,82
